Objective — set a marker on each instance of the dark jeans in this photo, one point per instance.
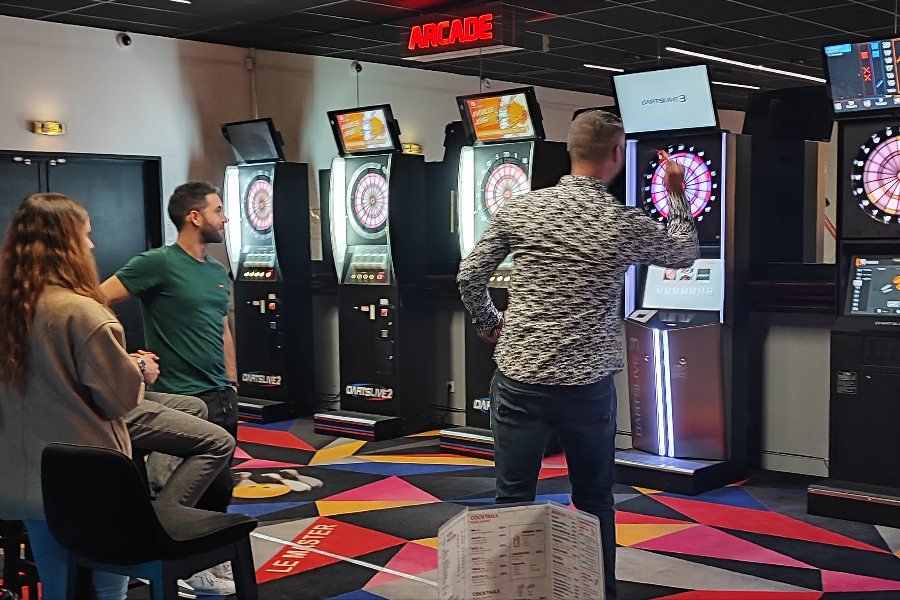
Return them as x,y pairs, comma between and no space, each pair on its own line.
584,418
223,411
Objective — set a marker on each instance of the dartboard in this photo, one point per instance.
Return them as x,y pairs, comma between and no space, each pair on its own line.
876,176
699,184
369,198
506,179
258,203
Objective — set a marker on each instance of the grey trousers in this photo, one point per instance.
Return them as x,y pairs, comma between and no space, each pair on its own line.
176,426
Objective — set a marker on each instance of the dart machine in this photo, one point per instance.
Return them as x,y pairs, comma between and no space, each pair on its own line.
864,419
686,329
267,236
507,157
377,215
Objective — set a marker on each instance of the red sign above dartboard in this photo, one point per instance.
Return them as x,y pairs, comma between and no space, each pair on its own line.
451,33
469,28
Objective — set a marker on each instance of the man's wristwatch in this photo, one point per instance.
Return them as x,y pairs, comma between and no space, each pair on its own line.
142,364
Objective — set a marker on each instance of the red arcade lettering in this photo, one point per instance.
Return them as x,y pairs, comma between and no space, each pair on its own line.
448,33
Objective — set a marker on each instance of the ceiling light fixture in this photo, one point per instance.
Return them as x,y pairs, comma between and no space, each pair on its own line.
746,65
602,68
738,85
181,1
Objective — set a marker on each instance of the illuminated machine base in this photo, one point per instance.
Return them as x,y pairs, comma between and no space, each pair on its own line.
265,411
468,441
854,502
675,475
357,425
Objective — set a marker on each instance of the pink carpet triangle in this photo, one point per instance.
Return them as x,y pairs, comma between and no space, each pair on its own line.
240,453
412,559
707,541
258,463
391,489
834,581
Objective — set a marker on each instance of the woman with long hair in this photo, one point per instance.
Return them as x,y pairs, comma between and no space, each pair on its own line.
64,373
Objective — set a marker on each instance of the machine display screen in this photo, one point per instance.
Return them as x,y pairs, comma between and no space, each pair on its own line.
505,117
863,76
874,287
365,130
666,99
253,141
698,287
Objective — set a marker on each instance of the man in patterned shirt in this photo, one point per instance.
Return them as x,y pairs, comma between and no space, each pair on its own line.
560,343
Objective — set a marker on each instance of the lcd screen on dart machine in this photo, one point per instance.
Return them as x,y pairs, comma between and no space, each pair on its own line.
863,76
874,286
502,117
365,130
665,100
698,287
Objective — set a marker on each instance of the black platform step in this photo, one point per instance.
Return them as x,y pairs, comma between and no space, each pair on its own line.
676,475
264,411
357,425
872,504
468,441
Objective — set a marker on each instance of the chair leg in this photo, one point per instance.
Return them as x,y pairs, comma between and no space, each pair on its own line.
72,575
244,573
163,582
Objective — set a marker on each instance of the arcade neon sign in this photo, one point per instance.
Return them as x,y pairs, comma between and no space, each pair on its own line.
452,33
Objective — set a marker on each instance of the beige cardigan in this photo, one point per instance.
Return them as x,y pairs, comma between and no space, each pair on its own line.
80,383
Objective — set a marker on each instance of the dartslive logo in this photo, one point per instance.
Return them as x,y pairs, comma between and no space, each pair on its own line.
369,391
666,100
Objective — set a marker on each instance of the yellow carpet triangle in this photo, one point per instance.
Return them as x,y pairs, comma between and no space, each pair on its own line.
430,542
647,490
432,433
328,508
329,454
629,535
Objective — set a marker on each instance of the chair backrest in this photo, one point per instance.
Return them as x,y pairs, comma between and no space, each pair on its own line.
97,506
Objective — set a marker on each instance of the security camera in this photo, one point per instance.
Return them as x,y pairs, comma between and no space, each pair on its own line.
123,40
357,68
486,83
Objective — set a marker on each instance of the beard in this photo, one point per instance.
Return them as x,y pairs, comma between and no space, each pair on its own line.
211,235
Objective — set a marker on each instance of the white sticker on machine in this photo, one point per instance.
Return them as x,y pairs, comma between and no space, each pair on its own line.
846,382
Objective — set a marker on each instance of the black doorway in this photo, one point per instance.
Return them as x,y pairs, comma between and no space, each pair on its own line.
122,195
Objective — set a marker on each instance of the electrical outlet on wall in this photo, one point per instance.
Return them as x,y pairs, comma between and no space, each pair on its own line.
451,387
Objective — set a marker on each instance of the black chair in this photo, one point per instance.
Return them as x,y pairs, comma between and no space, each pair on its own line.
19,570
99,509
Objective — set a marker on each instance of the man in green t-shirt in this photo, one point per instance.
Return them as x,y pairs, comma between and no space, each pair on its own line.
184,297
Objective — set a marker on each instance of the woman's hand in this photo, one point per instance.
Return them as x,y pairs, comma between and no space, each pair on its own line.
151,368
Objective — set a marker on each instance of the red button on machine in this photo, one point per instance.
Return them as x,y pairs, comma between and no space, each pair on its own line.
384,312
271,306
380,277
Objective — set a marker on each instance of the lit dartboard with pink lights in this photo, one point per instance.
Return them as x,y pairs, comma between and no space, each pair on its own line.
506,178
258,204
369,199
876,176
700,182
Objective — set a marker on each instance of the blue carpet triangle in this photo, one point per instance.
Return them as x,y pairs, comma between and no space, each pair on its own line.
729,496
262,508
398,469
357,595
278,426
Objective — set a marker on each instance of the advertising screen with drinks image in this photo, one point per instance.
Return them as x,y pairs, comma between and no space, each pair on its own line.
365,130
505,117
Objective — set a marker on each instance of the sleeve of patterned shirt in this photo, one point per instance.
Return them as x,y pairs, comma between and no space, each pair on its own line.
672,245
475,271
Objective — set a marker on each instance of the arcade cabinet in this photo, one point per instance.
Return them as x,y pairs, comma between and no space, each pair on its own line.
377,216
267,236
686,329
864,430
507,157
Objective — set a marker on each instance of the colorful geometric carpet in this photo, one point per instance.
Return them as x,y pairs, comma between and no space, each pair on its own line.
351,520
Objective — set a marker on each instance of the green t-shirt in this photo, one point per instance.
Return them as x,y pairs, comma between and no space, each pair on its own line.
184,301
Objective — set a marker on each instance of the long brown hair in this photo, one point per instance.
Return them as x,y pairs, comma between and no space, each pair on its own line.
43,246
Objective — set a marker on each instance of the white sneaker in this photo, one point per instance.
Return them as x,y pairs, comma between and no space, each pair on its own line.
205,584
223,571
184,590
